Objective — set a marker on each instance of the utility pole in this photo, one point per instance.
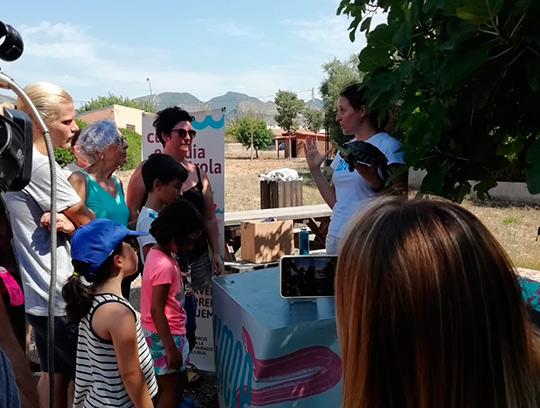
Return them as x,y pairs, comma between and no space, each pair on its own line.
312,96
149,80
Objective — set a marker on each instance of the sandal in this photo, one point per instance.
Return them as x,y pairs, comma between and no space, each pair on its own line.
194,376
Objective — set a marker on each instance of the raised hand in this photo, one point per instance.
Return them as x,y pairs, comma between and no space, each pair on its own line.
313,157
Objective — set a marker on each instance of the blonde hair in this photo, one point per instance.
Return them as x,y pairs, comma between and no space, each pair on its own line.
47,98
430,312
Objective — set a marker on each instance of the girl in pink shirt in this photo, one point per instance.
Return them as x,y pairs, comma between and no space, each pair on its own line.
162,298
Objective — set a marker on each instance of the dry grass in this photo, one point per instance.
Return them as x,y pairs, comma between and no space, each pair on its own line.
513,224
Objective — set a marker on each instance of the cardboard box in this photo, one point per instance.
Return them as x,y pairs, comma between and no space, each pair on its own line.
266,241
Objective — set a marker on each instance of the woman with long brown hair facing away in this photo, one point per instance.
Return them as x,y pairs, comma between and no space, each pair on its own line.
429,312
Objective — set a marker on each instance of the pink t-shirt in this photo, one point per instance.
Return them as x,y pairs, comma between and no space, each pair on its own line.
160,269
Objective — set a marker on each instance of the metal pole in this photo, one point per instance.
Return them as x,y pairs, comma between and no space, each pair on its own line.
152,101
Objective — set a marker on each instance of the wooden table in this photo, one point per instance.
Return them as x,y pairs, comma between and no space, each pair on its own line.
316,217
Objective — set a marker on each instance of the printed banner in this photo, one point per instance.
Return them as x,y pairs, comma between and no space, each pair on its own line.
208,152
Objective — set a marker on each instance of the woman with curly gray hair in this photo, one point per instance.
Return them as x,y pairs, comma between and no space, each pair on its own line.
103,193
106,148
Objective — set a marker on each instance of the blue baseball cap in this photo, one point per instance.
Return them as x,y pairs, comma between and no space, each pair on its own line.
94,242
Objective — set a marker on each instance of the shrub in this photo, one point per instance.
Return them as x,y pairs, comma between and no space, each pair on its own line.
134,149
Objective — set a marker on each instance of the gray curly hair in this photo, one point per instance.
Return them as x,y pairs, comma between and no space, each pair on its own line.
95,138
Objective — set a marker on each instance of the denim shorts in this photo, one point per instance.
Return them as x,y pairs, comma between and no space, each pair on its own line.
159,355
332,244
65,344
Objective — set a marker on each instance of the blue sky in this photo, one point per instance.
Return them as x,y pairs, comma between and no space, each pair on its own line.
202,47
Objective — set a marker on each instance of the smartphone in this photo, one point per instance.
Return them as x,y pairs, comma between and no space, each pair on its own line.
307,276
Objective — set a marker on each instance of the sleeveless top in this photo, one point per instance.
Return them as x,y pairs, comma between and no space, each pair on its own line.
196,197
103,204
97,380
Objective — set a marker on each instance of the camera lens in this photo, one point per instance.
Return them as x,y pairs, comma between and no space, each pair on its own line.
11,43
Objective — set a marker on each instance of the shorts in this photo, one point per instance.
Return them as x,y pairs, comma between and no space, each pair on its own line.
332,244
201,270
159,355
65,344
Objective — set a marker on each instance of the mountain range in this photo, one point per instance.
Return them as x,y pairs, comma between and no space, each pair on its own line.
235,103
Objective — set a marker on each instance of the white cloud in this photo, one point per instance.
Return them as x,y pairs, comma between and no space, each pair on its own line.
87,66
329,35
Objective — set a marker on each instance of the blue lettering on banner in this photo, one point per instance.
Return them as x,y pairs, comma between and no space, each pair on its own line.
235,367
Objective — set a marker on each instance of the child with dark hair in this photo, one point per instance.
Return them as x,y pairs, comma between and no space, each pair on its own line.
113,361
163,177
163,317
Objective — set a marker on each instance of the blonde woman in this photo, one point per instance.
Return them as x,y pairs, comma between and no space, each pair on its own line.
29,211
430,312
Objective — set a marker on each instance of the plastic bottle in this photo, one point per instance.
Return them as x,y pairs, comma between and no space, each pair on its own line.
304,241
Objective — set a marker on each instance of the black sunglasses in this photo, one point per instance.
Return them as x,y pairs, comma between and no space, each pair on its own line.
183,132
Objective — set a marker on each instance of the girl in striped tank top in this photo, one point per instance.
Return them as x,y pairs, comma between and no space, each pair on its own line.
114,366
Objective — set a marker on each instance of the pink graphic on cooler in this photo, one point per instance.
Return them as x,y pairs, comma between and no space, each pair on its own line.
16,296
300,374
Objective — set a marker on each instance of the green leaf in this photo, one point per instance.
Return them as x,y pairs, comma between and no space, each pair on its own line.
432,183
459,193
479,11
520,7
365,24
402,37
483,187
376,53
533,74
372,58
431,5
459,66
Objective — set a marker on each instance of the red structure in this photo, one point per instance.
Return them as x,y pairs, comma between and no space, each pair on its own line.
294,144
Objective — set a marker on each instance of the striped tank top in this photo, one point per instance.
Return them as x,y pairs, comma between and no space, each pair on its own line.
97,380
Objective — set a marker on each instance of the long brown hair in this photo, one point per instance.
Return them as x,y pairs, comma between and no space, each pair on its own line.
430,313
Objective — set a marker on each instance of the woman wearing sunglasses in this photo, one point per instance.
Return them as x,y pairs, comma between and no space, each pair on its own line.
175,132
106,148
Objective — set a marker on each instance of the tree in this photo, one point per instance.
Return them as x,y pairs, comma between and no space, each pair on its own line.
339,74
103,101
288,107
466,77
247,128
314,118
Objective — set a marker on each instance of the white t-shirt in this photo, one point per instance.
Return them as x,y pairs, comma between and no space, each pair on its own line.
32,242
352,190
71,168
144,221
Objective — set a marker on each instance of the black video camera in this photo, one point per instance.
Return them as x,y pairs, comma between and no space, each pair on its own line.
15,126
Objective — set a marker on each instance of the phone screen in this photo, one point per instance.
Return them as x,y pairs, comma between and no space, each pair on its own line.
307,276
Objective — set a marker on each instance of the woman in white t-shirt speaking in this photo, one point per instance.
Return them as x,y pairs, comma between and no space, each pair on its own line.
348,191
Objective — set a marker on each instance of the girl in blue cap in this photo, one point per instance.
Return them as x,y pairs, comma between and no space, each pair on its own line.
114,366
